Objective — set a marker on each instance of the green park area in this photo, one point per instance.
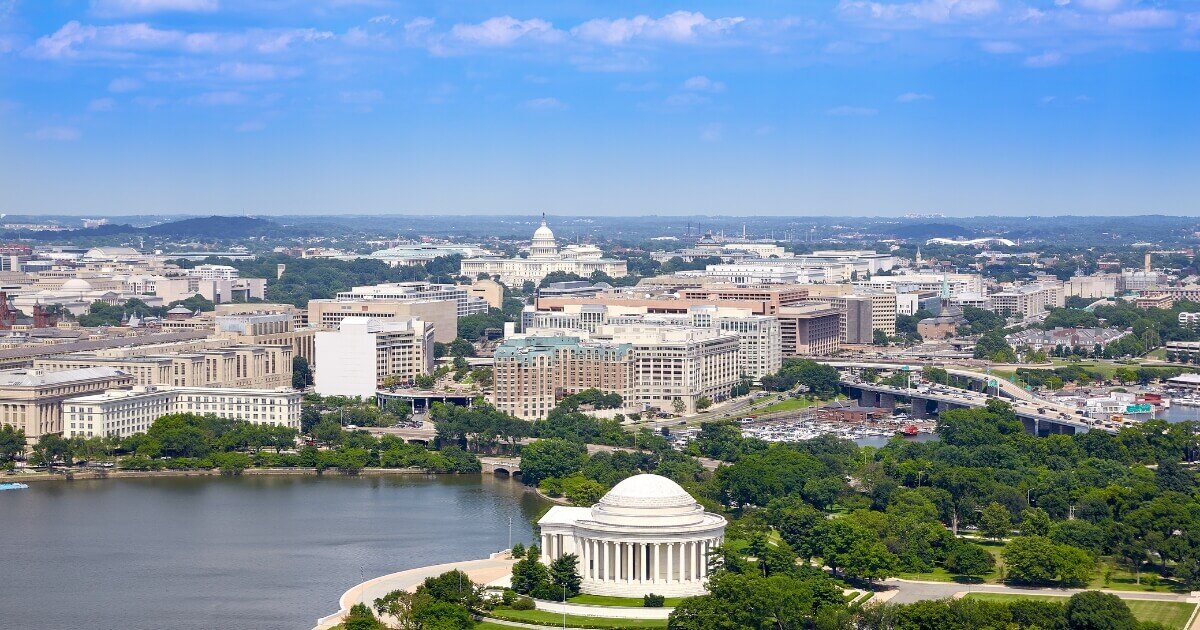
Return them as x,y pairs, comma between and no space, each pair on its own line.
574,621
1170,614
627,602
789,404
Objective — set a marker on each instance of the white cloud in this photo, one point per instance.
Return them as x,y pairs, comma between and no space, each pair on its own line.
934,11
239,71
1047,100
56,134
548,103
124,84
1000,47
282,40
384,19
1045,60
76,40
250,126
1144,18
1101,6
685,99
680,26
505,31
850,110
913,97
102,105
710,132
701,83
112,8
227,97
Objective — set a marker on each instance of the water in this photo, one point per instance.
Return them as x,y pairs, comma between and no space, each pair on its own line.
243,552
1180,413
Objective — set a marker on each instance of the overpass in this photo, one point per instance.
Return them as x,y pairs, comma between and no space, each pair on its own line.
1040,417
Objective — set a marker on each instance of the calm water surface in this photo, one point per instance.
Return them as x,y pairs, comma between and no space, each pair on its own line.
234,553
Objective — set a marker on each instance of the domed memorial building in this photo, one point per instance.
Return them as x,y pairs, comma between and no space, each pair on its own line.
647,535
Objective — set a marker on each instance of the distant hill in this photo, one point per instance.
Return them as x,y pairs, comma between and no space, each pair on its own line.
925,231
214,227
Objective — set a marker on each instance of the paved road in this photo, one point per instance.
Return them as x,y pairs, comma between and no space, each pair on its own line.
908,591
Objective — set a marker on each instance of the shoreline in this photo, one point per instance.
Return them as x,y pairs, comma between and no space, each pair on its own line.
213,472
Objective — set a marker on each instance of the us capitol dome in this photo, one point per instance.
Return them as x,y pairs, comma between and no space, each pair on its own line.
647,535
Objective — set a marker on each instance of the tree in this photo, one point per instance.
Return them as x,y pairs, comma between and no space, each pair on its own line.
553,457
854,550
879,338
564,574
529,574
50,449
360,617
969,560
301,373
995,522
1035,522
1093,610
12,443
993,346
678,405
703,403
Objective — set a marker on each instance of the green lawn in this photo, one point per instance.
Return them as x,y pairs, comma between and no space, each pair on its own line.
575,621
627,602
1169,614
790,404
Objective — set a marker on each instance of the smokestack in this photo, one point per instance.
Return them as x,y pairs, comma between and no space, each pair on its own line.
1147,270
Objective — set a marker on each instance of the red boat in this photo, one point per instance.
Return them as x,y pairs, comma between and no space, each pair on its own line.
909,430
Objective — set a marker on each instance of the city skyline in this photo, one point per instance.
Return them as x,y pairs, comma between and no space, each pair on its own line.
961,107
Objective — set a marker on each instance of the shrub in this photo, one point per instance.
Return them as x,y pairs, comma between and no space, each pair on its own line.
650,600
524,603
508,597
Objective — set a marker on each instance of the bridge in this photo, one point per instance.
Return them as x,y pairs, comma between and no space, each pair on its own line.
510,466
1040,417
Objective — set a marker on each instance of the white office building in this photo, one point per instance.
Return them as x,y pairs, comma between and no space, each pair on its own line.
363,351
123,413
419,291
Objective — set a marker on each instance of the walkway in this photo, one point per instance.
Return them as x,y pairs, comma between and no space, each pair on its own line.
480,571
908,591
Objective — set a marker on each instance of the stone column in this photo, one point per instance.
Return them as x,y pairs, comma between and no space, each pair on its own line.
670,562
629,558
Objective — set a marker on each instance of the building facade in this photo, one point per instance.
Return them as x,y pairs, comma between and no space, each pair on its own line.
123,413
364,351
31,399
812,329
544,258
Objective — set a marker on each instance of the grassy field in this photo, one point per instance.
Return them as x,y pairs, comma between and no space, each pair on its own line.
575,621
626,602
1169,614
791,404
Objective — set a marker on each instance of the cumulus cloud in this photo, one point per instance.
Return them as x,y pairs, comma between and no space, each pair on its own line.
217,98
55,134
1144,18
78,40
701,83
1045,60
239,71
548,103
111,8
504,31
1000,47
933,11
124,84
851,111
680,26
913,97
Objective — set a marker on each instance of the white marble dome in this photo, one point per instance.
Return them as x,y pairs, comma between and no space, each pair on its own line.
543,233
77,284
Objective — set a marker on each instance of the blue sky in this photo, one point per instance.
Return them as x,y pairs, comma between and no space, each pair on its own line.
829,107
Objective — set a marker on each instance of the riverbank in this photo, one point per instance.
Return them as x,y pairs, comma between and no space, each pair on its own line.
74,475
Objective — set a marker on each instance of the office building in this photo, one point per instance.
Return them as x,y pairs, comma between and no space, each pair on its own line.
1028,300
31,399
810,329
466,304
363,351
442,314
123,413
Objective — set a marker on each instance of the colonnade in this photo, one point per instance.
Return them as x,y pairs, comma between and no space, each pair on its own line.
646,563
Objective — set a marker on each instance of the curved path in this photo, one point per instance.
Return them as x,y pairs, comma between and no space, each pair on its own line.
498,566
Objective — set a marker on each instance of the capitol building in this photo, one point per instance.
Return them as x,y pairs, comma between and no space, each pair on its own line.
647,535
544,258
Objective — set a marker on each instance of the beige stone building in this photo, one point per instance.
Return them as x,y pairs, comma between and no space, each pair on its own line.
243,366
123,413
31,399
442,314
811,329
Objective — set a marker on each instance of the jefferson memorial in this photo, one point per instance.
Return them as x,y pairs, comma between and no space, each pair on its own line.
647,535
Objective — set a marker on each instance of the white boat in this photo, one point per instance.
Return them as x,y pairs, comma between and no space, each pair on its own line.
13,486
